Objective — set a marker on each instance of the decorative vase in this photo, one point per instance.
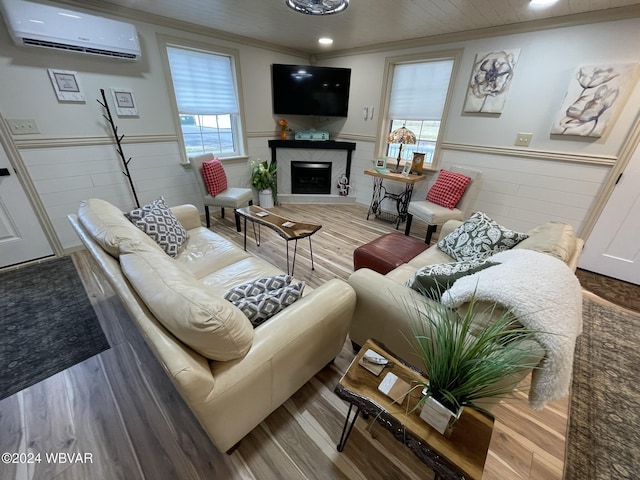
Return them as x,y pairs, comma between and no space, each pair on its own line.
265,198
283,134
438,416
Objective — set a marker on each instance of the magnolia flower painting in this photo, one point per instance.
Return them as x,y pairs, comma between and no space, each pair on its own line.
592,99
490,81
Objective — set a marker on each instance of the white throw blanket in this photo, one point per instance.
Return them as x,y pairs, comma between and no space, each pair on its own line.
545,295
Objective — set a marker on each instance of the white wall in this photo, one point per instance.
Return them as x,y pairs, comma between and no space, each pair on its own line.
557,182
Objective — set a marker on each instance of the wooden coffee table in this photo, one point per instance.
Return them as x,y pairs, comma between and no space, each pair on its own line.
461,456
287,229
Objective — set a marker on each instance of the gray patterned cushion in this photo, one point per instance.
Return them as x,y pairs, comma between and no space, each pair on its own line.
478,238
433,280
256,287
262,307
156,220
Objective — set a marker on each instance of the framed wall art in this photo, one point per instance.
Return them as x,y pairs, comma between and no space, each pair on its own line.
66,84
592,98
124,102
490,81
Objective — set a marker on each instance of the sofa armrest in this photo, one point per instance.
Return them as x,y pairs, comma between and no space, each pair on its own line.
381,312
448,227
188,215
288,350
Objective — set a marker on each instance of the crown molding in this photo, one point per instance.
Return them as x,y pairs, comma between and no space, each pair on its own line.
130,13
598,16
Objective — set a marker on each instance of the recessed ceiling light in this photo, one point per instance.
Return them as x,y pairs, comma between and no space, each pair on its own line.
542,3
325,41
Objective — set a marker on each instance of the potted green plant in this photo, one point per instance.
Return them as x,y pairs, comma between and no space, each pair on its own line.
263,178
464,365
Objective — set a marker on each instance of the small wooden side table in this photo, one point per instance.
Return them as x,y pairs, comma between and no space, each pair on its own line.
459,457
402,199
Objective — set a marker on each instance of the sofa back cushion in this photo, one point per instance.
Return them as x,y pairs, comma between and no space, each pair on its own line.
207,323
109,227
554,238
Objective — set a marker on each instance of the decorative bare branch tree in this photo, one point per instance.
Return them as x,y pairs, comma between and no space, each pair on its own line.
118,139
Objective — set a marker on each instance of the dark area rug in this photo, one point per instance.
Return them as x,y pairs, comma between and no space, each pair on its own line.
604,416
46,324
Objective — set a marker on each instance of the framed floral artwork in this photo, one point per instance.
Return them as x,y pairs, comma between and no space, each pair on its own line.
593,96
491,78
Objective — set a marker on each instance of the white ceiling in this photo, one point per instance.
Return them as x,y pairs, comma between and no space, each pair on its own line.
364,23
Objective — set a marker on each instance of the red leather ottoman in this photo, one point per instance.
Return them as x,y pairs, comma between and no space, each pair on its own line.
387,252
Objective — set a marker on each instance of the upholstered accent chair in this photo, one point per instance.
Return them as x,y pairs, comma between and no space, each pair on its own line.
434,214
226,197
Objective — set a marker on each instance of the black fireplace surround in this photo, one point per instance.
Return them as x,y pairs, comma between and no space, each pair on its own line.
311,177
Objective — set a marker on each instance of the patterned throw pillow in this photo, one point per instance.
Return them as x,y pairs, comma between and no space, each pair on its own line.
433,280
156,220
262,307
256,287
478,238
448,189
214,177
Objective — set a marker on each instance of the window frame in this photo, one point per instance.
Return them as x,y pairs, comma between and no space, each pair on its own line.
237,121
384,122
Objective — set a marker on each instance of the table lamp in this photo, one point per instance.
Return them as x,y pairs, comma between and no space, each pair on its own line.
402,136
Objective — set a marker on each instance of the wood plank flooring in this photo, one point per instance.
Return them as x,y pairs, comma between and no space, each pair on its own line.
120,411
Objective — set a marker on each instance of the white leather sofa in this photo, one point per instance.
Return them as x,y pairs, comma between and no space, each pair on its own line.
381,309
245,373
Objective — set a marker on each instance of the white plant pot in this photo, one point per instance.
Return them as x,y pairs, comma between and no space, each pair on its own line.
265,198
439,416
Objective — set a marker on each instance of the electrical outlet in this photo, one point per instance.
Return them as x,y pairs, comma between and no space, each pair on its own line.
523,139
22,126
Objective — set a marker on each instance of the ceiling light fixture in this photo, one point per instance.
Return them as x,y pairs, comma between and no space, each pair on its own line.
325,41
542,3
318,7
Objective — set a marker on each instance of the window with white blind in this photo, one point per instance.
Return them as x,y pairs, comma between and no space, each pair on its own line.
206,95
418,91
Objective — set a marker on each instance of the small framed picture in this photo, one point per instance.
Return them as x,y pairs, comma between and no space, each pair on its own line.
66,84
124,102
417,163
406,169
381,163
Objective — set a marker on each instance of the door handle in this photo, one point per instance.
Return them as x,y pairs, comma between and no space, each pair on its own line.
4,172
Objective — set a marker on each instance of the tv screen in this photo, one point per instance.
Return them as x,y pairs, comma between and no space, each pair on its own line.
308,90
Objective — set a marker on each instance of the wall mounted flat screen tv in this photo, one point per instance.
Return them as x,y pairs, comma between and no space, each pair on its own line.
309,90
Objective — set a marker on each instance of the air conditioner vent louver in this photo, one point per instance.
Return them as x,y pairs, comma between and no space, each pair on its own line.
39,25
73,48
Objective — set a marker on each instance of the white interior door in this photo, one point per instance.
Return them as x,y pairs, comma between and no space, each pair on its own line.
21,235
613,248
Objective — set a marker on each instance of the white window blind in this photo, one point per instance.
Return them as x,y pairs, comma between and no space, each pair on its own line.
419,90
203,82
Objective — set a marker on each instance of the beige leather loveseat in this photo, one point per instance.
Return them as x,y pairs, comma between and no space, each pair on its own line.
231,375
381,310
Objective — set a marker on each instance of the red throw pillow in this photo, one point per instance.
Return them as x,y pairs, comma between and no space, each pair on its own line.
214,177
448,189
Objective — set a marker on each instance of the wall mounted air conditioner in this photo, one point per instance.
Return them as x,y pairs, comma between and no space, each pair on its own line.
37,25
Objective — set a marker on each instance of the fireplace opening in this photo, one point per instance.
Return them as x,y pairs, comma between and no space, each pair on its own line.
311,177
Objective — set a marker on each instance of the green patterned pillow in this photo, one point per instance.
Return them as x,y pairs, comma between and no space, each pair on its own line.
433,280
478,238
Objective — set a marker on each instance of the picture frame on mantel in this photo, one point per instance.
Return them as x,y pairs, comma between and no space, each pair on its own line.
66,84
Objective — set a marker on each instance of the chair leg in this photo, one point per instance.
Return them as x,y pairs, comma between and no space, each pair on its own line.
430,231
250,202
238,228
221,212
407,228
206,214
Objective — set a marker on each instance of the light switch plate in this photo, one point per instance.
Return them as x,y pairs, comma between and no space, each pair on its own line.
22,126
523,139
